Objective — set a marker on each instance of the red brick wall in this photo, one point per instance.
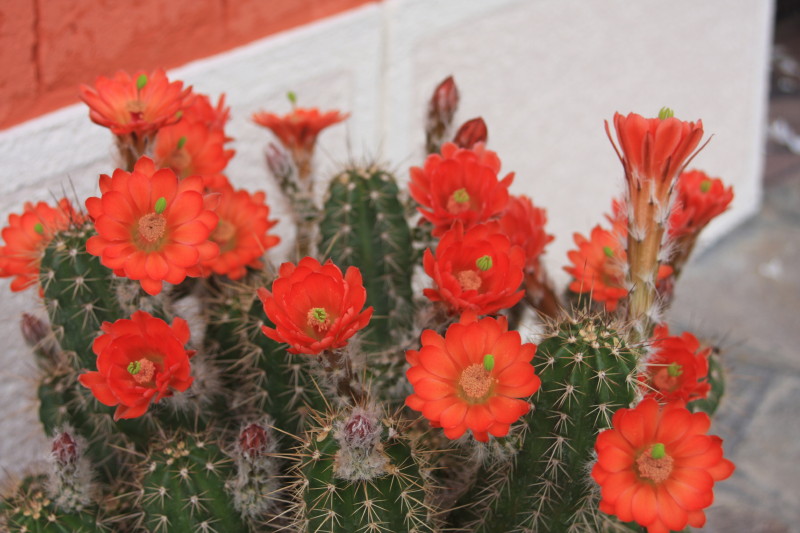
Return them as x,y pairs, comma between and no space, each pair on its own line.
49,47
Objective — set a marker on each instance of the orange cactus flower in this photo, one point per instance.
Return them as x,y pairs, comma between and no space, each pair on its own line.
461,185
139,361
151,226
677,369
201,110
139,104
598,267
26,237
477,377
524,225
700,199
191,147
658,467
313,307
241,233
478,270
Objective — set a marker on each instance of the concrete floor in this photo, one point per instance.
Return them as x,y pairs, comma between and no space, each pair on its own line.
744,295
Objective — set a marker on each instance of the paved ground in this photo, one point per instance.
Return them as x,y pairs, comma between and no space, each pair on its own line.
744,293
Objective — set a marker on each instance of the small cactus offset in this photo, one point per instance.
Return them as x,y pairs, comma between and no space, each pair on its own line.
378,378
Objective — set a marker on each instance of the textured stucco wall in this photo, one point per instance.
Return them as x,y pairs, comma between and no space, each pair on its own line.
544,75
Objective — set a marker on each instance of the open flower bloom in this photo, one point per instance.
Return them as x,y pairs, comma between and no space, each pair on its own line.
314,307
139,360
598,267
477,377
139,104
201,110
524,225
191,147
241,233
677,369
478,270
461,185
658,467
152,227
26,237
700,199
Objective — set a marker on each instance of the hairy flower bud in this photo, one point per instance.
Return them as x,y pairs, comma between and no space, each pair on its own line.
470,133
254,441
358,431
441,111
65,450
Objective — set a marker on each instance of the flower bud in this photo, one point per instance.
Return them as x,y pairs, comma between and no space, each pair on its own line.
471,133
444,103
34,330
65,450
254,441
358,430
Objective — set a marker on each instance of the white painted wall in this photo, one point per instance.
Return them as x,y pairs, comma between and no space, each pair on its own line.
544,74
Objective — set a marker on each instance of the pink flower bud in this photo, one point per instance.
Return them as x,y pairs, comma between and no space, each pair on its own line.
471,133
254,441
359,431
444,102
65,449
34,330
278,162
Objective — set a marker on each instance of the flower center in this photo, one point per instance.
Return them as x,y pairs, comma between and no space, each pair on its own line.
318,318
224,234
142,370
152,226
475,382
654,464
469,280
458,201
705,186
136,108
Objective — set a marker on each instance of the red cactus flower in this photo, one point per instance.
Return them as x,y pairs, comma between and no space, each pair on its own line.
241,233
313,307
27,236
478,270
139,360
139,104
524,225
191,147
461,185
598,267
677,369
201,110
152,227
658,467
475,378
700,199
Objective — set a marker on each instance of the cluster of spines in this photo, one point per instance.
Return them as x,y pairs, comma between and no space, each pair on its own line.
357,471
588,371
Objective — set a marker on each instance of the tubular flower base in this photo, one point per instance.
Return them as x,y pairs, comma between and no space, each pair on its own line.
139,361
151,227
191,147
26,237
474,378
459,185
477,270
241,233
677,369
139,104
658,467
314,307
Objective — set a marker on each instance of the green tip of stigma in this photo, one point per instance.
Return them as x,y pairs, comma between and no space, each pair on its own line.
666,113
461,196
674,370
181,142
488,362
658,451
292,97
608,251
38,228
320,314
705,185
161,205
141,81
484,263
134,367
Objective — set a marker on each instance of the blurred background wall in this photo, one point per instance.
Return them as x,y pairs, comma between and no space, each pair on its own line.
544,74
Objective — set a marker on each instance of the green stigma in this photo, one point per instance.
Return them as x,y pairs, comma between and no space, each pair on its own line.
658,451
179,114
134,367
141,81
488,362
292,97
38,228
705,185
181,142
608,251
161,205
461,196
484,263
674,370
319,314
666,113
